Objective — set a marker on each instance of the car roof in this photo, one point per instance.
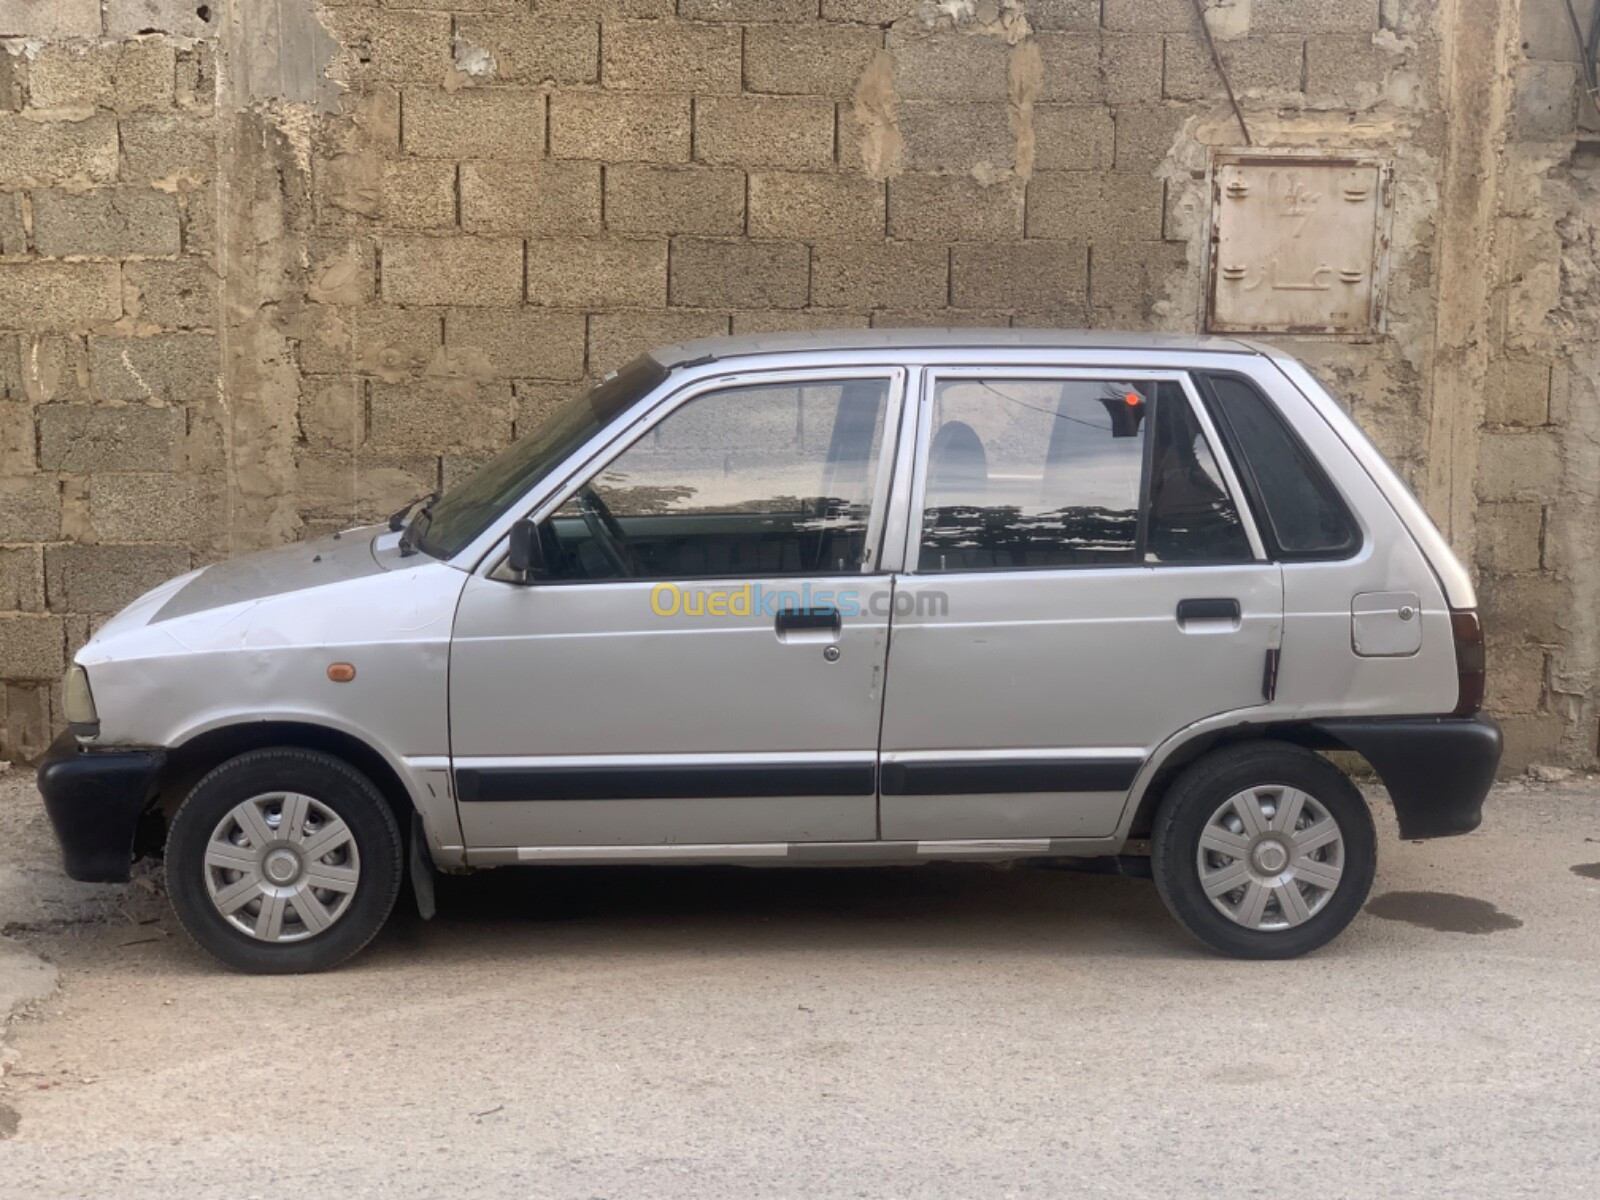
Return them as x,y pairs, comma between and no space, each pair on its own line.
711,349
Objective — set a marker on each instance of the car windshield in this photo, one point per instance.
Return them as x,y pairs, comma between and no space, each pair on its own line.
450,524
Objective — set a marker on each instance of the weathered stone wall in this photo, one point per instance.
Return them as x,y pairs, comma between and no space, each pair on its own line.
268,268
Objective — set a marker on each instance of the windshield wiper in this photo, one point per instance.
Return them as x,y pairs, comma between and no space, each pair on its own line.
413,530
397,519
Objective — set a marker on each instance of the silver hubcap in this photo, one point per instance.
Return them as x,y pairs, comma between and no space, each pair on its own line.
282,867
1270,857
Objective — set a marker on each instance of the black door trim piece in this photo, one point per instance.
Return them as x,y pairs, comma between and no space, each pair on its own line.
665,781
968,777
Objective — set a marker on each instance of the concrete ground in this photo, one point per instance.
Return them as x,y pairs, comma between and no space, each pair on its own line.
951,1031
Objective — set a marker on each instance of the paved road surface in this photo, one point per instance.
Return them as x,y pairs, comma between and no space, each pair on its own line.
930,1032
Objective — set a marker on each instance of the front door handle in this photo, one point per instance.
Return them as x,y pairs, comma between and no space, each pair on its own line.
1208,609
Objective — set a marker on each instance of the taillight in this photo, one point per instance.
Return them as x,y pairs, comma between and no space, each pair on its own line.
1468,633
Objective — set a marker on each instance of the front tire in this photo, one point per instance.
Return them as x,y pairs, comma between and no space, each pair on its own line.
1264,850
283,861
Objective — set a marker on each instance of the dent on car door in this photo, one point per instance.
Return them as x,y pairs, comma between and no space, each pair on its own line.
1082,583
689,668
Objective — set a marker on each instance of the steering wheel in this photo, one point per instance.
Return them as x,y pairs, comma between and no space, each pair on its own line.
607,534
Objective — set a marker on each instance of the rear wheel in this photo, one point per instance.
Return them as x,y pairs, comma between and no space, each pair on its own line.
1264,850
283,860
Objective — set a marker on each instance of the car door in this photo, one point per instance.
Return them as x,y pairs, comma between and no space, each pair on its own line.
1081,582
690,673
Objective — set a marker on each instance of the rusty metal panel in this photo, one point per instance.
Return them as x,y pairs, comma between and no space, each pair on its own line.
1299,244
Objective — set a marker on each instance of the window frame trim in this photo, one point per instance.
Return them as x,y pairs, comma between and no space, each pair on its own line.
1321,480
635,430
923,403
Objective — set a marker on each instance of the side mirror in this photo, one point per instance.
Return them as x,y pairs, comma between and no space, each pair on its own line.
526,556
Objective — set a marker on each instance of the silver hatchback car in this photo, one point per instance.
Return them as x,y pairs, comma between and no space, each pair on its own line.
866,597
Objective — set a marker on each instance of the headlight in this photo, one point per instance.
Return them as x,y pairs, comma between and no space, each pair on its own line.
78,702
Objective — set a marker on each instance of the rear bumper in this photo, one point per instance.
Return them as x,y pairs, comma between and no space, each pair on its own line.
1437,769
95,799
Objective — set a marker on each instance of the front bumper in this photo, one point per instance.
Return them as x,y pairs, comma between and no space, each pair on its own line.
1437,769
95,799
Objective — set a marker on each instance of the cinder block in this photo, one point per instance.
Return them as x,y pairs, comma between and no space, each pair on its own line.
617,337
1510,537
1089,68
30,509
382,45
1065,14
538,402
45,153
726,273
110,221
342,270
1019,275
747,10
13,238
1147,16
1146,133
869,12
525,342
597,272
494,123
376,339
1254,65
815,204
151,508
177,295
1087,206
180,368
32,646
1519,466
435,415
619,128
955,208
332,413
1072,137
807,60
452,270
766,131
1525,608
943,136
533,48
1348,69
21,579
642,9
125,18
1544,102
1129,279
803,320
52,295
51,19
168,146
1517,392
535,198
641,198
132,437
669,56
1528,739
125,76
104,579
903,275
419,194
1314,16
949,65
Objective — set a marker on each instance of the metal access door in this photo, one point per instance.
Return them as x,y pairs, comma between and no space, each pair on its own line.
1022,701
587,721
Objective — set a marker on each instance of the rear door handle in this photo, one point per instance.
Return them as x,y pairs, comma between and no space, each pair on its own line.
807,626
1209,609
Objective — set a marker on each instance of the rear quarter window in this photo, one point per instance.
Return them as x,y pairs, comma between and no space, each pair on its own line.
1303,514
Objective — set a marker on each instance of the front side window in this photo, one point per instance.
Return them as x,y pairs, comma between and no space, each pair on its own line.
747,481
1028,474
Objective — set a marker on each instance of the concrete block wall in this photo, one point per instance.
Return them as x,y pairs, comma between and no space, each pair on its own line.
270,270
111,475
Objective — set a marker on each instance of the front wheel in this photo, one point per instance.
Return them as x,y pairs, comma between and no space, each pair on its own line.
283,861
1264,850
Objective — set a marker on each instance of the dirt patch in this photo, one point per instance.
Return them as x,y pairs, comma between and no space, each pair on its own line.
1443,912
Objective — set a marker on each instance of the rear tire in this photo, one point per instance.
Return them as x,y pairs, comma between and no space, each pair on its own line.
1264,850
283,861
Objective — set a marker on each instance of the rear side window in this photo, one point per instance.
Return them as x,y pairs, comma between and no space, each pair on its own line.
1192,518
1304,516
